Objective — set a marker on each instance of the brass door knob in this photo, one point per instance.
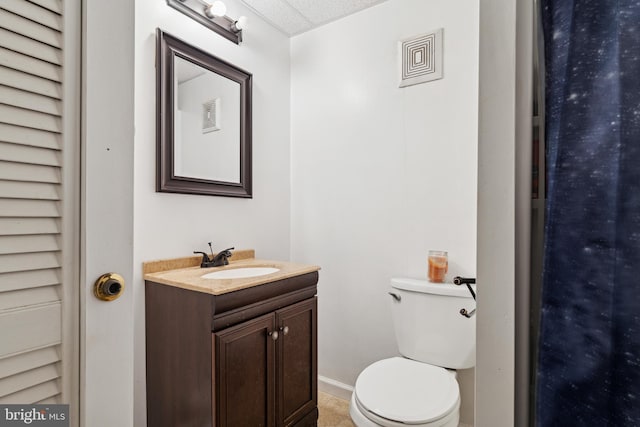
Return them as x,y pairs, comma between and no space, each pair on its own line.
108,287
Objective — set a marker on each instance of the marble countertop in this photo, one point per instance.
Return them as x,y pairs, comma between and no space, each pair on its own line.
190,277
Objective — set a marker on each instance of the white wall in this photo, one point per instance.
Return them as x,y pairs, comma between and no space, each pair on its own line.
172,225
213,155
380,174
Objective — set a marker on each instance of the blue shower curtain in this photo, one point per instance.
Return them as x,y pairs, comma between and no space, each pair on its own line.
589,346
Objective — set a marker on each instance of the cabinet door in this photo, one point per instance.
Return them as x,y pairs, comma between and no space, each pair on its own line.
297,361
244,379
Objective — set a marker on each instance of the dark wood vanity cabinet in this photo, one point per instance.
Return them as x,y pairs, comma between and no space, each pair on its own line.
264,369
245,358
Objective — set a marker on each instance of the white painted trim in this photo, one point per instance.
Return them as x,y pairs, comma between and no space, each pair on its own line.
71,210
106,328
334,388
524,130
496,238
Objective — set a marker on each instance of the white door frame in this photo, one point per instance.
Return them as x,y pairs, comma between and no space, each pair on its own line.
106,328
504,168
71,208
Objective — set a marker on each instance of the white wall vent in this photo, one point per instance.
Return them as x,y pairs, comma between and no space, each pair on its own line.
421,58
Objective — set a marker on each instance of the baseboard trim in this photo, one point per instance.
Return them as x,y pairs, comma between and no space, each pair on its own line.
464,425
334,388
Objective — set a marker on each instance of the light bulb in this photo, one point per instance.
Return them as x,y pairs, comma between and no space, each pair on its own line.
217,8
241,23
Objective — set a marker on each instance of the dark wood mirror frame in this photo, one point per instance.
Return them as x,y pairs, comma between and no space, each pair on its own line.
167,48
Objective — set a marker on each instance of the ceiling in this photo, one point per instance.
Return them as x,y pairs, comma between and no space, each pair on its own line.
297,16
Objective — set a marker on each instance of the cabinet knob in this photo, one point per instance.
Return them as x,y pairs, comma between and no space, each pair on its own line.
273,335
284,329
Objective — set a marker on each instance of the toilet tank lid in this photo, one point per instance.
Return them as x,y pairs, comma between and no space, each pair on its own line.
424,286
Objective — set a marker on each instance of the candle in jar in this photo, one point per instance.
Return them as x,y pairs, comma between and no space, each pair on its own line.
438,266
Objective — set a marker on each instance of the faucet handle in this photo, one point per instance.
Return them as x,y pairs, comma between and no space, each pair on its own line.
227,252
205,258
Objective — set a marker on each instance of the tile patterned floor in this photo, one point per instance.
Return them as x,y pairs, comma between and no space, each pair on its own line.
334,412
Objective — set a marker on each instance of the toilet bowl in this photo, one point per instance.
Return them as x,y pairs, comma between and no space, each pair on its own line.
398,392
419,389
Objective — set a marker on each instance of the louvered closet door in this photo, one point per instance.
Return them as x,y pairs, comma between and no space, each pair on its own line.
38,361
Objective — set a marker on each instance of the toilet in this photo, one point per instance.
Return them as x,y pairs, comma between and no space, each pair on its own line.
420,388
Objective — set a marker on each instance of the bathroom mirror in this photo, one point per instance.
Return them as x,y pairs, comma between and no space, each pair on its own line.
203,113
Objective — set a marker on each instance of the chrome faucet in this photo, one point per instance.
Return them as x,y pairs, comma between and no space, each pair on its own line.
220,259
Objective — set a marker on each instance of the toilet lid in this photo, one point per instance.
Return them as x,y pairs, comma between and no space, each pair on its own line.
407,391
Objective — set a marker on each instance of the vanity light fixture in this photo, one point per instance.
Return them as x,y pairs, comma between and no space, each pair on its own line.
239,25
215,9
213,16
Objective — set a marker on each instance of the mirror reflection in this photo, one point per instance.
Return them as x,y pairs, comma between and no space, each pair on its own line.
206,124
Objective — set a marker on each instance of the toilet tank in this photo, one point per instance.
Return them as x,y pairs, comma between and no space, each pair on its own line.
428,324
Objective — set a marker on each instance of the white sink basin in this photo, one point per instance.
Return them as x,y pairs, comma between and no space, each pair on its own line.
240,273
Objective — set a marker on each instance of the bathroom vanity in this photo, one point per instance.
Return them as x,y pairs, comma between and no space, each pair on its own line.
238,351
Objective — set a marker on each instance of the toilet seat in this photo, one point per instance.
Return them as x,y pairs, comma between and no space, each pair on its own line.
399,391
363,418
